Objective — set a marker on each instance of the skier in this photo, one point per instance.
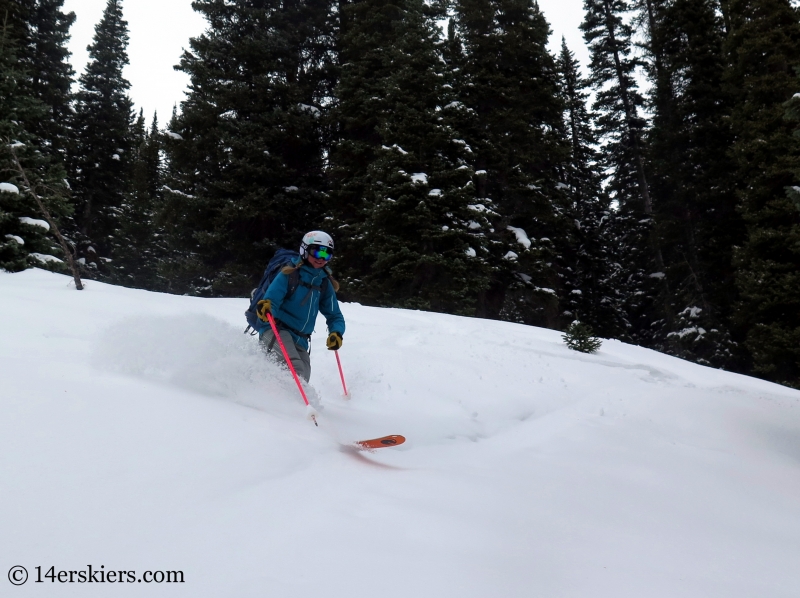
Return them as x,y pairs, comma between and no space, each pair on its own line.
298,293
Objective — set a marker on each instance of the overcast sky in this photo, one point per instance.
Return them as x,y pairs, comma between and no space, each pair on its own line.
160,29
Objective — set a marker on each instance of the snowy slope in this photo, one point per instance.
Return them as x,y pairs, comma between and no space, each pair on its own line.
141,431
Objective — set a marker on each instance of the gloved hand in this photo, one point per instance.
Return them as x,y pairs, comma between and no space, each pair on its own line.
334,341
263,307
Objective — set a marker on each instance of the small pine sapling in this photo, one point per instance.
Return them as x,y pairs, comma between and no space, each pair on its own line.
578,337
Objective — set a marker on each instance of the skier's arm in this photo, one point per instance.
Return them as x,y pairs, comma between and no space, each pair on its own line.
276,292
329,306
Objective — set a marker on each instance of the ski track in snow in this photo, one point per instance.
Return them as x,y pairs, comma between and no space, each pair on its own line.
143,431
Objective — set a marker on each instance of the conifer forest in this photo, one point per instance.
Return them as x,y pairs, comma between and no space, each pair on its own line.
460,165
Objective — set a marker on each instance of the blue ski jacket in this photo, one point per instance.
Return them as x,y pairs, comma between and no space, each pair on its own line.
300,310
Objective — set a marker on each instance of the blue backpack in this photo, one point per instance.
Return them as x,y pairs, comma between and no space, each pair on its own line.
282,257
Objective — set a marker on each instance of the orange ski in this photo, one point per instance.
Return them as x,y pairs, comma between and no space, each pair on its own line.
382,442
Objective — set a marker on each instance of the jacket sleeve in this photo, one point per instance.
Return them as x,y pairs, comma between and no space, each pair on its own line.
329,306
276,292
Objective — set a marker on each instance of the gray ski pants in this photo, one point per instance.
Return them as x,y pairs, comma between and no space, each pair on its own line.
299,357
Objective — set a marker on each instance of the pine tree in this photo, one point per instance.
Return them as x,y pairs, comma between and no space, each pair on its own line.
245,156
580,337
638,263
103,117
763,49
43,54
693,199
137,246
402,181
507,77
619,101
591,297
24,240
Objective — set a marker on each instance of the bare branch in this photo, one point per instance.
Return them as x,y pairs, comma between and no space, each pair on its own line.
67,250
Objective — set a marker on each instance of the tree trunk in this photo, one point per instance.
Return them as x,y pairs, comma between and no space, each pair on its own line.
67,250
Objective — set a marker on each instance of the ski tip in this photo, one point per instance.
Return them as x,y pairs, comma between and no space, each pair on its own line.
382,442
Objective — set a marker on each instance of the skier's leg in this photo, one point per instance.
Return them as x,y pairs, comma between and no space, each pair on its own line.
305,363
299,357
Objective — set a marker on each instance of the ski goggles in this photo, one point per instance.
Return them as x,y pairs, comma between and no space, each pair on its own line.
320,252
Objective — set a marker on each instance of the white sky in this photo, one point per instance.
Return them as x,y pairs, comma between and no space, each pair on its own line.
160,29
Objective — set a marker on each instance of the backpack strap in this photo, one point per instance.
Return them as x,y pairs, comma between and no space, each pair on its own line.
295,281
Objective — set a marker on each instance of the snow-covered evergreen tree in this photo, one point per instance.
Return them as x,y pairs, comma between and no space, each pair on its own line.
589,294
507,77
43,54
101,156
415,234
24,239
640,278
763,51
245,155
137,246
694,201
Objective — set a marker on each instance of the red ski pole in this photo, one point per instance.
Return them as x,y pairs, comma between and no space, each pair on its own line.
311,413
341,373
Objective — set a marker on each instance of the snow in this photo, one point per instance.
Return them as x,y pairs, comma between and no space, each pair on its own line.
687,331
17,144
16,239
395,146
658,275
435,193
419,177
481,208
471,252
115,157
143,431
9,188
692,312
290,188
41,257
511,256
463,143
313,110
172,135
176,192
560,186
34,222
522,236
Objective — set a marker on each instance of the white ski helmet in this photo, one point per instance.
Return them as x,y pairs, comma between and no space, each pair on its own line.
315,237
